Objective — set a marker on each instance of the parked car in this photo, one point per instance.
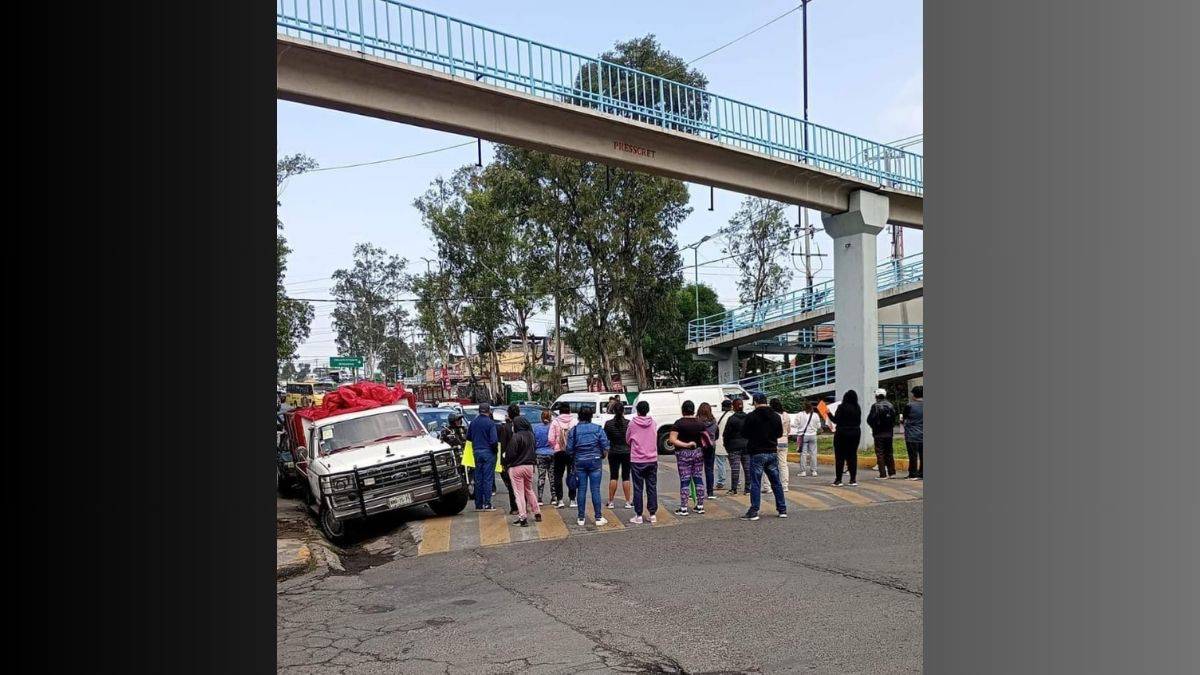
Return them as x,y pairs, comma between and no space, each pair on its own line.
470,412
435,419
360,464
666,404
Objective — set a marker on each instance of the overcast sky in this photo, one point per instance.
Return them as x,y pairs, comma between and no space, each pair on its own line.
865,63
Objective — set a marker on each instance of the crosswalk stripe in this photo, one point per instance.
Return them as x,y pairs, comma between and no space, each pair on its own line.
797,498
552,525
614,523
847,494
435,538
493,528
889,491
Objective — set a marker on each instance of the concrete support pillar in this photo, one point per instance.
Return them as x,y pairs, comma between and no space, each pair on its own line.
855,307
727,367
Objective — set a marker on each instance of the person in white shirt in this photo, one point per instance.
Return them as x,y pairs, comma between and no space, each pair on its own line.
722,456
805,426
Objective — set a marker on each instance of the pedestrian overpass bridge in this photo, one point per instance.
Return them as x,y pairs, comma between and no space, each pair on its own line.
901,357
393,61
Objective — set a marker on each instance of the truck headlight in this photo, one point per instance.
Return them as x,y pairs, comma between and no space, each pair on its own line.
337,484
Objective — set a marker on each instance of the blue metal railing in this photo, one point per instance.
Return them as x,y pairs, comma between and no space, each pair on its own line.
889,275
823,373
823,334
400,32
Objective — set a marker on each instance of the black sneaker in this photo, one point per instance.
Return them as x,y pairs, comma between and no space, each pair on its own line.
783,515
731,492
522,522
681,512
700,510
489,507
748,516
537,517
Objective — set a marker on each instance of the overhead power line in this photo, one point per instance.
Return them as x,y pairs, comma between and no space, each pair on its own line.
744,36
390,159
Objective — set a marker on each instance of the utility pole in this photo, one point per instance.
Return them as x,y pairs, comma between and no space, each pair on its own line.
557,321
805,227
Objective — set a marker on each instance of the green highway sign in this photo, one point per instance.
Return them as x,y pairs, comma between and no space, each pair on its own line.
345,362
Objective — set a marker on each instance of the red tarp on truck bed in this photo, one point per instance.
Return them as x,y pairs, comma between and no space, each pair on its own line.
356,397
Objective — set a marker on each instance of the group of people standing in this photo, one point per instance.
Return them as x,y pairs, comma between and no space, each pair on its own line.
753,443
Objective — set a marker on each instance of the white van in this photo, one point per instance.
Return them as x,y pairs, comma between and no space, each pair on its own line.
666,405
596,400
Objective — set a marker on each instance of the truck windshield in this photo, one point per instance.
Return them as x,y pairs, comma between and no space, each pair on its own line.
435,420
361,431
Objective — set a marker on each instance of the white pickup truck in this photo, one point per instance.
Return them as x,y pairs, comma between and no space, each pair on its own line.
359,464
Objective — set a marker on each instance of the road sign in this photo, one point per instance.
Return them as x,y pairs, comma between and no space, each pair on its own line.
345,362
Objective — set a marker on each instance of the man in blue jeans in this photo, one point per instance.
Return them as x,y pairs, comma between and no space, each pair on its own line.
483,437
588,444
761,429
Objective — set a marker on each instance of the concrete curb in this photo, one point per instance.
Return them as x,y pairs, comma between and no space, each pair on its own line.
863,462
292,557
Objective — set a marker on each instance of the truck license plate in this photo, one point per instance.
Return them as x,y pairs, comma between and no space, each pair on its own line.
399,500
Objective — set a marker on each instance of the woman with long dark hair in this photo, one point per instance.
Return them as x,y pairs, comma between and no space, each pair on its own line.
705,415
847,428
618,454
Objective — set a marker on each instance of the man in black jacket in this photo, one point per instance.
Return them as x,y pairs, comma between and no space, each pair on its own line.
735,445
762,429
882,420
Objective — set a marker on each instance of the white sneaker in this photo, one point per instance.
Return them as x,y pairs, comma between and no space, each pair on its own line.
853,484
804,474
541,503
602,521
653,519
573,504
610,505
814,474
582,522
783,515
636,520
628,505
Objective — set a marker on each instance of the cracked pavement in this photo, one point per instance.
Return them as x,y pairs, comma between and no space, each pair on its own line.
824,591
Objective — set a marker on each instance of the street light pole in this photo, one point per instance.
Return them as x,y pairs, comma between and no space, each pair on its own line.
696,268
807,229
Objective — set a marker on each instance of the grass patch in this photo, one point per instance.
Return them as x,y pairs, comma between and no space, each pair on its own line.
825,446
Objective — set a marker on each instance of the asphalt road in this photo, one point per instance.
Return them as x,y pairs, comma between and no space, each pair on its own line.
835,590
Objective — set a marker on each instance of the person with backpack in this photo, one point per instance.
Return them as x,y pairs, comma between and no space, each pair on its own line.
686,437
618,454
520,454
735,446
588,445
805,426
642,438
557,433
722,455
914,433
708,444
882,420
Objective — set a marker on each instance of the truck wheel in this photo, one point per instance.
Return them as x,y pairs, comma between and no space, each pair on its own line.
334,530
664,443
451,504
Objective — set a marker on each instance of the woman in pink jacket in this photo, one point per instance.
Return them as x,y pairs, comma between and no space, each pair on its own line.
642,436
563,462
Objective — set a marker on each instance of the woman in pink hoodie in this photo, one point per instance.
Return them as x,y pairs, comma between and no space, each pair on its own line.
563,462
642,436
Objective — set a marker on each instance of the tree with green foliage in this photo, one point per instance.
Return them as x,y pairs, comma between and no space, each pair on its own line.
665,344
293,318
368,315
757,237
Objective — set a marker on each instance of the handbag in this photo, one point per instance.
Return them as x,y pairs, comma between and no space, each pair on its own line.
468,455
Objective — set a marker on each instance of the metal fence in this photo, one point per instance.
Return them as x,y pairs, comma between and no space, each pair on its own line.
823,373
401,32
889,275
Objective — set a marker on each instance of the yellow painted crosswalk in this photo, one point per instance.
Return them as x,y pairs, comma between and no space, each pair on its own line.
472,529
